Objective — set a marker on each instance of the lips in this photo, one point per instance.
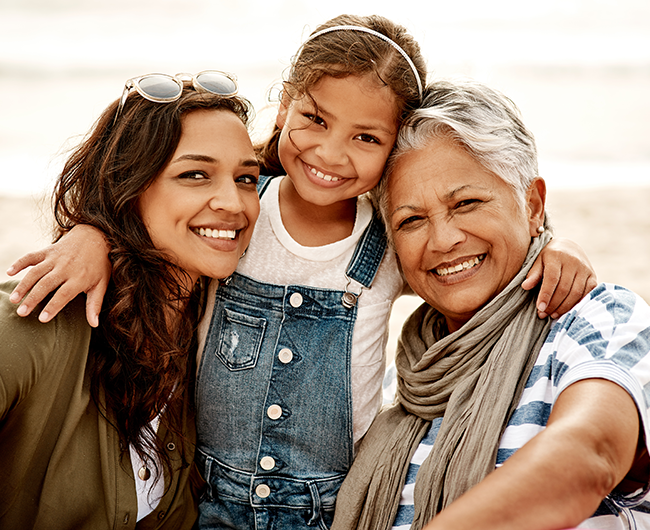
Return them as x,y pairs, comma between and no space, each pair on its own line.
464,265
215,234
323,176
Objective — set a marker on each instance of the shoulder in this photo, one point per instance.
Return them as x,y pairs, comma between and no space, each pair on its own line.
606,309
607,335
28,347
29,329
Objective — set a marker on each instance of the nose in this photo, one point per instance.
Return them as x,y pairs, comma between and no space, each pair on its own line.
226,196
444,235
332,150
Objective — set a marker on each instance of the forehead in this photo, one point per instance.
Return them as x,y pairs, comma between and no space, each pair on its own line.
213,129
438,170
354,96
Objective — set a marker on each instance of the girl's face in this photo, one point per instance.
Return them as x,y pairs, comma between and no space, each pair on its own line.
202,207
336,150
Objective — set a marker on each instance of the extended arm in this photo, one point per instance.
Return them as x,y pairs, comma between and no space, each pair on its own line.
77,263
558,479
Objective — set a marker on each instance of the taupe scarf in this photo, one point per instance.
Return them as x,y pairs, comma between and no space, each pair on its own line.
473,378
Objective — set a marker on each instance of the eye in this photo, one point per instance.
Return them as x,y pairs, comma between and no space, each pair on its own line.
368,138
315,118
410,222
467,203
193,175
247,179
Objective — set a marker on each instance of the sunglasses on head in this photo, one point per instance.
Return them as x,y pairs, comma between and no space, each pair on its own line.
163,88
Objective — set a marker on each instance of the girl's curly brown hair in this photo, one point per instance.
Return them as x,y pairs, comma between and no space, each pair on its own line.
344,53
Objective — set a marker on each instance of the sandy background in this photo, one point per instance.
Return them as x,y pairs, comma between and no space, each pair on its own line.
579,70
611,224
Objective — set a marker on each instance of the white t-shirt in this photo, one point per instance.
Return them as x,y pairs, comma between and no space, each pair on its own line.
273,256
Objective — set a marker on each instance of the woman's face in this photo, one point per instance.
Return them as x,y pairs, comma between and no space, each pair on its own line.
202,207
458,230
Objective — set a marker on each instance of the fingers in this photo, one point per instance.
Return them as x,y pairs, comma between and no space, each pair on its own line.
582,284
553,290
571,287
38,282
534,276
558,296
567,277
77,263
94,299
28,260
66,292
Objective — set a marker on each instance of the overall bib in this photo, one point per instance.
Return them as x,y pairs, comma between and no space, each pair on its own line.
274,413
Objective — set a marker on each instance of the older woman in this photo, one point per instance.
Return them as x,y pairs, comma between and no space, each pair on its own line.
559,408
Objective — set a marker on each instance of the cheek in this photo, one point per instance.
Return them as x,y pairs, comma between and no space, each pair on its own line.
409,250
378,163
291,138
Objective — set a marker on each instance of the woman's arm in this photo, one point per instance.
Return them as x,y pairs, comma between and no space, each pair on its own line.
566,275
77,263
558,479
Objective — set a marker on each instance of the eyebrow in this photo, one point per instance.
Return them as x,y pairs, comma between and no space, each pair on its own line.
357,126
247,162
448,196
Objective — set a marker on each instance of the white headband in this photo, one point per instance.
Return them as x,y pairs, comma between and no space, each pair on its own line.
376,34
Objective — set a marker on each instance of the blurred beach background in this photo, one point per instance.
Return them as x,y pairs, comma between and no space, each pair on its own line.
578,69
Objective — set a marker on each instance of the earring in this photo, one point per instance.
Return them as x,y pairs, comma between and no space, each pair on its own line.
540,230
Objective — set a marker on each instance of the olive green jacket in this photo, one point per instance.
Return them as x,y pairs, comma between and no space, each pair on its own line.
62,465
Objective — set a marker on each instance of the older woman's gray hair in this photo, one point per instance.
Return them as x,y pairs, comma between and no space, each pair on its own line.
485,122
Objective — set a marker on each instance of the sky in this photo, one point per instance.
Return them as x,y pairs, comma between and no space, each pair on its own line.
578,69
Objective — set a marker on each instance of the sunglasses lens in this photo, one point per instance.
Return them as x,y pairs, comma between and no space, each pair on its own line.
159,87
217,83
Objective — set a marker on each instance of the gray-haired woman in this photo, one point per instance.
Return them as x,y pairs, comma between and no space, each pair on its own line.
558,408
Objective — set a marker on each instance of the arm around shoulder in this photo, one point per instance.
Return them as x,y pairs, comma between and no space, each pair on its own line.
77,263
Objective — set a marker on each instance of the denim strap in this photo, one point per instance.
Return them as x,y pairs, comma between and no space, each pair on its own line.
370,251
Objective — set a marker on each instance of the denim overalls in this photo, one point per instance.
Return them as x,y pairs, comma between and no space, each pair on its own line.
274,397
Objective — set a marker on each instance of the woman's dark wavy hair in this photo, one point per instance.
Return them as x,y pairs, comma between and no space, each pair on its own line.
140,364
343,53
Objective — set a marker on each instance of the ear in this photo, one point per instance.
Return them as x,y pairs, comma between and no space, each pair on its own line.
285,103
535,201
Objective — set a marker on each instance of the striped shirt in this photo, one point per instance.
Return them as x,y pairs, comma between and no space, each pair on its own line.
606,336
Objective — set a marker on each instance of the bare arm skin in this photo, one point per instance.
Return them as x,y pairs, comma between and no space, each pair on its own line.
558,479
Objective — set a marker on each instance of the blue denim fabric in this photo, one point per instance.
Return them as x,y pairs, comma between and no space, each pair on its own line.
274,401
230,500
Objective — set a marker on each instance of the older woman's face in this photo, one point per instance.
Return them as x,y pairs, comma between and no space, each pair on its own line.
458,230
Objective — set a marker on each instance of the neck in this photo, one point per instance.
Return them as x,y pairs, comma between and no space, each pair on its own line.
312,225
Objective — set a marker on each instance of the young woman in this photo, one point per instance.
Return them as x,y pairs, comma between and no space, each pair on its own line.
96,425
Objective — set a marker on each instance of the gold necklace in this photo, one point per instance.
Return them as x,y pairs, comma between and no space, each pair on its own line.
144,473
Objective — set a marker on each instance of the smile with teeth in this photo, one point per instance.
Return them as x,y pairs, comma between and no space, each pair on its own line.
323,176
445,271
215,234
